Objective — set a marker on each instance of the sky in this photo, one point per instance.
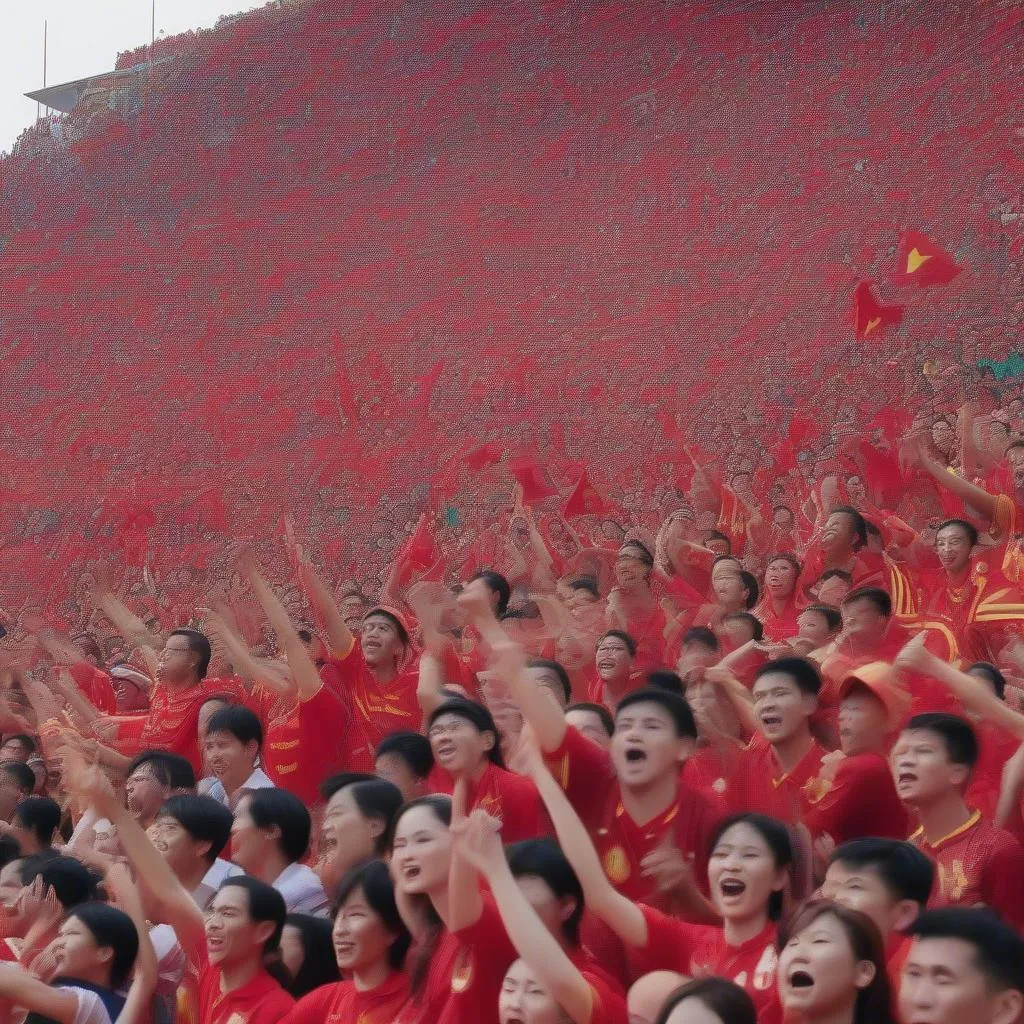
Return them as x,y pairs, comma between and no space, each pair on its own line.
84,38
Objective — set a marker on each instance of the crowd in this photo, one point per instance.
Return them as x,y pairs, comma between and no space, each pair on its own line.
762,763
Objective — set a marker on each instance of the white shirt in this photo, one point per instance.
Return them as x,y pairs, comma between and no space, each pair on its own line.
302,890
90,1007
258,780
219,872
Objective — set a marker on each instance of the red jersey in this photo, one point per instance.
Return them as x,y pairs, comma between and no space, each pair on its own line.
376,710
173,722
759,784
261,1001
96,686
778,626
465,975
700,950
978,863
585,771
860,801
711,767
597,693
343,1003
995,747
509,797
609,1006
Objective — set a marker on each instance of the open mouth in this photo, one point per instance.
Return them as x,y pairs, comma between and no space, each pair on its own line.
800,979
411,871
906,779
344,949
635,755
732,887
771,721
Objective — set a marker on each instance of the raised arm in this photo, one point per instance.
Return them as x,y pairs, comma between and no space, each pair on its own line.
465,904
144,978
479,843
272,674
130,626
19,987
339,637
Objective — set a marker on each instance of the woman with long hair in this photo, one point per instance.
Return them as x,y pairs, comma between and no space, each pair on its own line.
706,1001
307,953
370,942
832,967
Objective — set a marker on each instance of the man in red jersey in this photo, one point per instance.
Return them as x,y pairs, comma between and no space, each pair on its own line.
613,660
860,799
978,863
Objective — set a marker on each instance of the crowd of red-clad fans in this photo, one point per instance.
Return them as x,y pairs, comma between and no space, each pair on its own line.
763,763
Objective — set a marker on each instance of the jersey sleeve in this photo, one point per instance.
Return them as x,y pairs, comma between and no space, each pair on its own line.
830,813
670,944
584,770
1001,885
312,1008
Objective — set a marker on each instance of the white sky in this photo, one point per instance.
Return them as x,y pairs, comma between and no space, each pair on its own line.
85,37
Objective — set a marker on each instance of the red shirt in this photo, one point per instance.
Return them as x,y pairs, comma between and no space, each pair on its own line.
995,747
759,784
96,686
700,950
860,801
711,767
609,1006
779,626
173,722
465,975
507,796
585,771
261,1001
978,863
376,710
343,1003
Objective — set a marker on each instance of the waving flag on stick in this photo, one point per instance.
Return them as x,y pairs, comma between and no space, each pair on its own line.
870,317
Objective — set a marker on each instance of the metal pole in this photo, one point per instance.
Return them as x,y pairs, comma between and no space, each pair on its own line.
46,26
152,42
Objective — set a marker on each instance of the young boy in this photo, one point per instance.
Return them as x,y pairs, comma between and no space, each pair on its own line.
978,863
234,739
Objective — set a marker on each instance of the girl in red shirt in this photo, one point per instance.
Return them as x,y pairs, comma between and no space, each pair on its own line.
370,943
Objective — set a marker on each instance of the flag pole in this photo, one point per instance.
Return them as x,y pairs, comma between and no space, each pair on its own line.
46,26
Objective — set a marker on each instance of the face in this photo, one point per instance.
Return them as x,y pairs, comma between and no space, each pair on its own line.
361,939
227,757
129,696
942,985
380,641
589,724
293,953
421,852
780,577
736,632
818,971
250,844
862,888
347,836
231,935
693,1011
524,1000
579,598
783,518
727,584
833,590
10,795
179,849
396,770
743,874
78,955
813,626
547,679
630,571
953,547
458,746
206,711
145,793
862,722
176,662
863,618
613,659
781,707
645,746
922,769
838,533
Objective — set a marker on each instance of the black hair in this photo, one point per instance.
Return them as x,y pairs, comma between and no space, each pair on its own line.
39,815
198,643
643,555
381,612
958,736
169,769
307,638
993,675
72,882
265,904
755,624
374,879
496,584
203,818
238,720
412,747
725,558
835,574
111,929
860,526
23,776
785,556
544,859
726,1000
876,595
776,837
25,740
676,706
701,635
553,666
749,582
319,965
377,799
10,851
478,716
832,616
905,871
270,807
718,535
334,783
665,679
800,670
598,709
587,583
998,947
619,634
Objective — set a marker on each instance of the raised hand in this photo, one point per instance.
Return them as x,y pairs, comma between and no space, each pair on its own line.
478,841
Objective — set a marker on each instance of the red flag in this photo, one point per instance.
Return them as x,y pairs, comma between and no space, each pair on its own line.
924,263
483,455
420,551
584,500
528,474
869,315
